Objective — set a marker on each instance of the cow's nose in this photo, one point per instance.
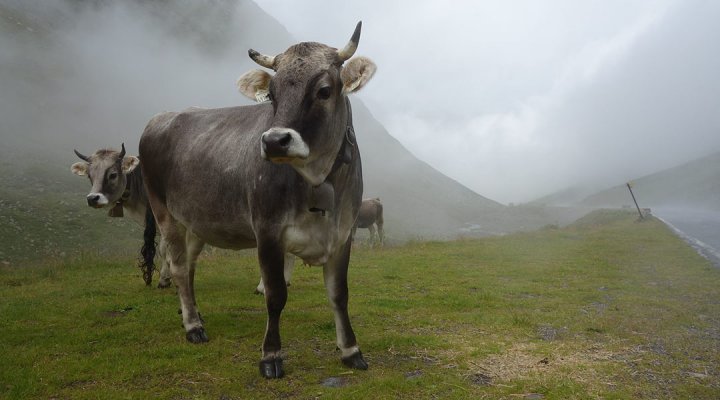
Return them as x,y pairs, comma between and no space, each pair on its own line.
92,199
283,145
276,144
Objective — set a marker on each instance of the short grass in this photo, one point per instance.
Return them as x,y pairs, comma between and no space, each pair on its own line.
606,308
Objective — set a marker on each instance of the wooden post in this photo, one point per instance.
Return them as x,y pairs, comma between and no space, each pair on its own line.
633,196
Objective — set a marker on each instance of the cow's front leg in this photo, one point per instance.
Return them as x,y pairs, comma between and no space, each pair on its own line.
335,274
272,259
289,265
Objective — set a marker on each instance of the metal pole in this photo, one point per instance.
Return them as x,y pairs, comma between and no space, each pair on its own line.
633,196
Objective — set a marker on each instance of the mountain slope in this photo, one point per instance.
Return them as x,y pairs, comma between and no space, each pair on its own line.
566,197
418,200
695,184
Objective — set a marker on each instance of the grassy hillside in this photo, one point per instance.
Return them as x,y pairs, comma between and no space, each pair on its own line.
692,185
567,197
605,308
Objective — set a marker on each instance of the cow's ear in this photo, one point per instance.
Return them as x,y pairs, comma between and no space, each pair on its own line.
255,84
79,168
129,163
356,73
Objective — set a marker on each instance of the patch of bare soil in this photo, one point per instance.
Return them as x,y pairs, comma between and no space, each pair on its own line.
522,360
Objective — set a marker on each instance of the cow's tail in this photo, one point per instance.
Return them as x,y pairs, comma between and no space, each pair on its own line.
147,252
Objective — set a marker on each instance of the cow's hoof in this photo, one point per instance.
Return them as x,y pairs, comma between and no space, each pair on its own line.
164,285
272,369
355,361
197,335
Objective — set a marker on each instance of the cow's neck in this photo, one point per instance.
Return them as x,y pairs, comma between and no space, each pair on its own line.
322,196
315,169
131,193
117,210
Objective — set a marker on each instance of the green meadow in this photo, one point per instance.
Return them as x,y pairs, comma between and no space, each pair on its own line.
607,307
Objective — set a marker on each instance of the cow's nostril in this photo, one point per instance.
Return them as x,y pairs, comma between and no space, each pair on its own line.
284,141
93,199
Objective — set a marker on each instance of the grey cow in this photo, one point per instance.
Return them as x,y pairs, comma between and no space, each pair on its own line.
283,176
371,215
117,183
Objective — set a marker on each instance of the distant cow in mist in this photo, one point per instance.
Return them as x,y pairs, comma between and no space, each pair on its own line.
371,215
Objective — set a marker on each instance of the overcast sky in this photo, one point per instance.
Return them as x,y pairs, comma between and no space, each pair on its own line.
517,99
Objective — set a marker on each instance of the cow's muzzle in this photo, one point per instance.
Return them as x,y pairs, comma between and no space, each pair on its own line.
283,145
96,200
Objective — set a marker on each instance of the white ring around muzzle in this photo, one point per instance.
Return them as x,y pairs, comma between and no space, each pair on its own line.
283,143
97,199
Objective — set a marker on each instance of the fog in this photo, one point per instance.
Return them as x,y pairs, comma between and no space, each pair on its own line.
87,75
515,100
523,98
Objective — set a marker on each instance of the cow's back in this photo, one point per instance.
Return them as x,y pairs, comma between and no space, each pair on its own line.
370,211
200,163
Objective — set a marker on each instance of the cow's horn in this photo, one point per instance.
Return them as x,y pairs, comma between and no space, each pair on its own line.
352,45
82,157
122,152
262,59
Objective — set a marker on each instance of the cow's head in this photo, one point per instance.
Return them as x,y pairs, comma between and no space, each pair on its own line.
107,170
308,97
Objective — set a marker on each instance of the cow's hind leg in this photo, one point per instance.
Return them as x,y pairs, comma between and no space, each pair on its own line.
335,275
371,228
381,232
183,248
194,246
272,264
165,275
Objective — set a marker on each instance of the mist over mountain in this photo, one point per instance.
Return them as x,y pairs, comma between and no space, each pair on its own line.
418,200
516,101
693,185
90,74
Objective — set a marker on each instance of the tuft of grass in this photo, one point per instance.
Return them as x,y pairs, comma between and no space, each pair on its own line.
605,308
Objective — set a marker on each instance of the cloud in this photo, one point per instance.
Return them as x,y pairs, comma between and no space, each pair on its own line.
88,76
514,154
519,99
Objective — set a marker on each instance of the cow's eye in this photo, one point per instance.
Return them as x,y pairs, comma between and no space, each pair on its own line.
113,175
324,93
